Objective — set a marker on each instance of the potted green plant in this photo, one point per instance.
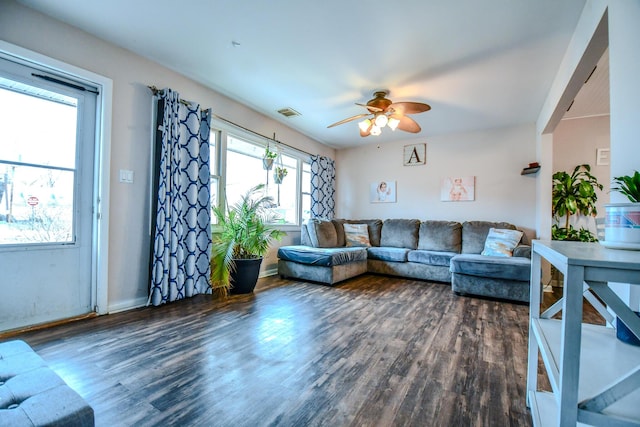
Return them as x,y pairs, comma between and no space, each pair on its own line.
622,220
268,158
279,173
574,194
242,238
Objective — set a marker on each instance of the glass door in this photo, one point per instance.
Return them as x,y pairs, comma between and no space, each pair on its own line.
47,139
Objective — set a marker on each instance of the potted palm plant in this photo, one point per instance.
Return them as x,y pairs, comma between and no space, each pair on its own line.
622,222
573,194
242,238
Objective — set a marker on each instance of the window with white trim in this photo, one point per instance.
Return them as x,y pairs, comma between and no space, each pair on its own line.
239,167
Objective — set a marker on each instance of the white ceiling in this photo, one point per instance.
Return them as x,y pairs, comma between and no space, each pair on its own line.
479,64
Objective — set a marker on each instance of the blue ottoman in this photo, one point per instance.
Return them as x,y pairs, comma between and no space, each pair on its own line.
31,394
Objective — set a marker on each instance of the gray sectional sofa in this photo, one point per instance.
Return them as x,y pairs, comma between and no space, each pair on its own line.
443,251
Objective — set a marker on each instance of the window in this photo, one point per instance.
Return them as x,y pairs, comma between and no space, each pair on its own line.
36,180
239,167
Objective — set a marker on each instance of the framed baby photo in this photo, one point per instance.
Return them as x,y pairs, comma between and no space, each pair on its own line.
382,191
458,189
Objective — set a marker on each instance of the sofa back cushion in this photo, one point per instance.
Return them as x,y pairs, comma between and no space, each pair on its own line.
474,234
400,233
442,236
374,226
339,226
322,233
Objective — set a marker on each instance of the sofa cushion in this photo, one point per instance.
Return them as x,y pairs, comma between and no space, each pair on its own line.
474,234
400,233
387,253
514,268
375,228
501,242
339,226
522,250
322,233
356,235
326,257
443,236
431,257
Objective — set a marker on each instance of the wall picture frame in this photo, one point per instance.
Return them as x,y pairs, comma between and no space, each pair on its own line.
602,156
458,189
415,155
383,191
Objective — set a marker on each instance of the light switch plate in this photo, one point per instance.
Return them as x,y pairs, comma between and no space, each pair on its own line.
126,176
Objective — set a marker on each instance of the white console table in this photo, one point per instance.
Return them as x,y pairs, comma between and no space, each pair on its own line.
595,377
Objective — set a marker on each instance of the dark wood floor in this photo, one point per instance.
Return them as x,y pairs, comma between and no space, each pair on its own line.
373,351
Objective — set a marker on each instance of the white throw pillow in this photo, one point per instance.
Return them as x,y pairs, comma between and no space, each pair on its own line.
356,235
501,242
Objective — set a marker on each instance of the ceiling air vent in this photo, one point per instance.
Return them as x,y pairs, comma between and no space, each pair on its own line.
288,112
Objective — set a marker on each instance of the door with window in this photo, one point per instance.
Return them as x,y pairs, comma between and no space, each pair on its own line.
47,144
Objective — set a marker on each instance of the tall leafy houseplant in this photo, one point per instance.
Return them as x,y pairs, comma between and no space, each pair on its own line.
243,233
574,194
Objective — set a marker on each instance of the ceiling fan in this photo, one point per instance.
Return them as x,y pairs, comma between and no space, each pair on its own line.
384,112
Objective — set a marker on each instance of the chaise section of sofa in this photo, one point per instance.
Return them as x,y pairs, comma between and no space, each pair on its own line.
505,277
323,265
322,256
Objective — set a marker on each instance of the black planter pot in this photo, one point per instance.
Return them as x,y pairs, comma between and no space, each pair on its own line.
624,334
245,275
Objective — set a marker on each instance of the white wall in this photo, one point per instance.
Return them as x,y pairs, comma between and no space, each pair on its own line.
624,68
575,142
131,131
495,157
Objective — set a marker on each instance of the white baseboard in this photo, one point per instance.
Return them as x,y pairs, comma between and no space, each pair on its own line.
127,305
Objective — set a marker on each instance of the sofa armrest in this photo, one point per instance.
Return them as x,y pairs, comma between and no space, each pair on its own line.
522,251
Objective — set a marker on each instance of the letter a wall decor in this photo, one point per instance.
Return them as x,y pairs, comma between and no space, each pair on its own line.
415,154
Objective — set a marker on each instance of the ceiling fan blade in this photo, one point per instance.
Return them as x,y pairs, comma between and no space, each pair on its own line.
350,119
370,107
410,107
407,124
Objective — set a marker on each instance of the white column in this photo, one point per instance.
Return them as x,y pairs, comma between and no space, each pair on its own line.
624,66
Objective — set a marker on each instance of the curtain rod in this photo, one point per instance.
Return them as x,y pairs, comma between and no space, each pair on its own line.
156,91
259,134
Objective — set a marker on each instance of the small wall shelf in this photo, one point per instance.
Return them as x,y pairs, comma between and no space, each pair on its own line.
530,170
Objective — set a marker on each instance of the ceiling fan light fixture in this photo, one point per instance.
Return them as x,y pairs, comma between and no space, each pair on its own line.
381,120
365,125
393,123
375,130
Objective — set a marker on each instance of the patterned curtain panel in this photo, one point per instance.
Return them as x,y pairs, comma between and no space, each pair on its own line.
182,245
323,177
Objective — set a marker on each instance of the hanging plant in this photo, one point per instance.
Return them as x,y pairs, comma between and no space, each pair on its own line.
268,158
279,173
